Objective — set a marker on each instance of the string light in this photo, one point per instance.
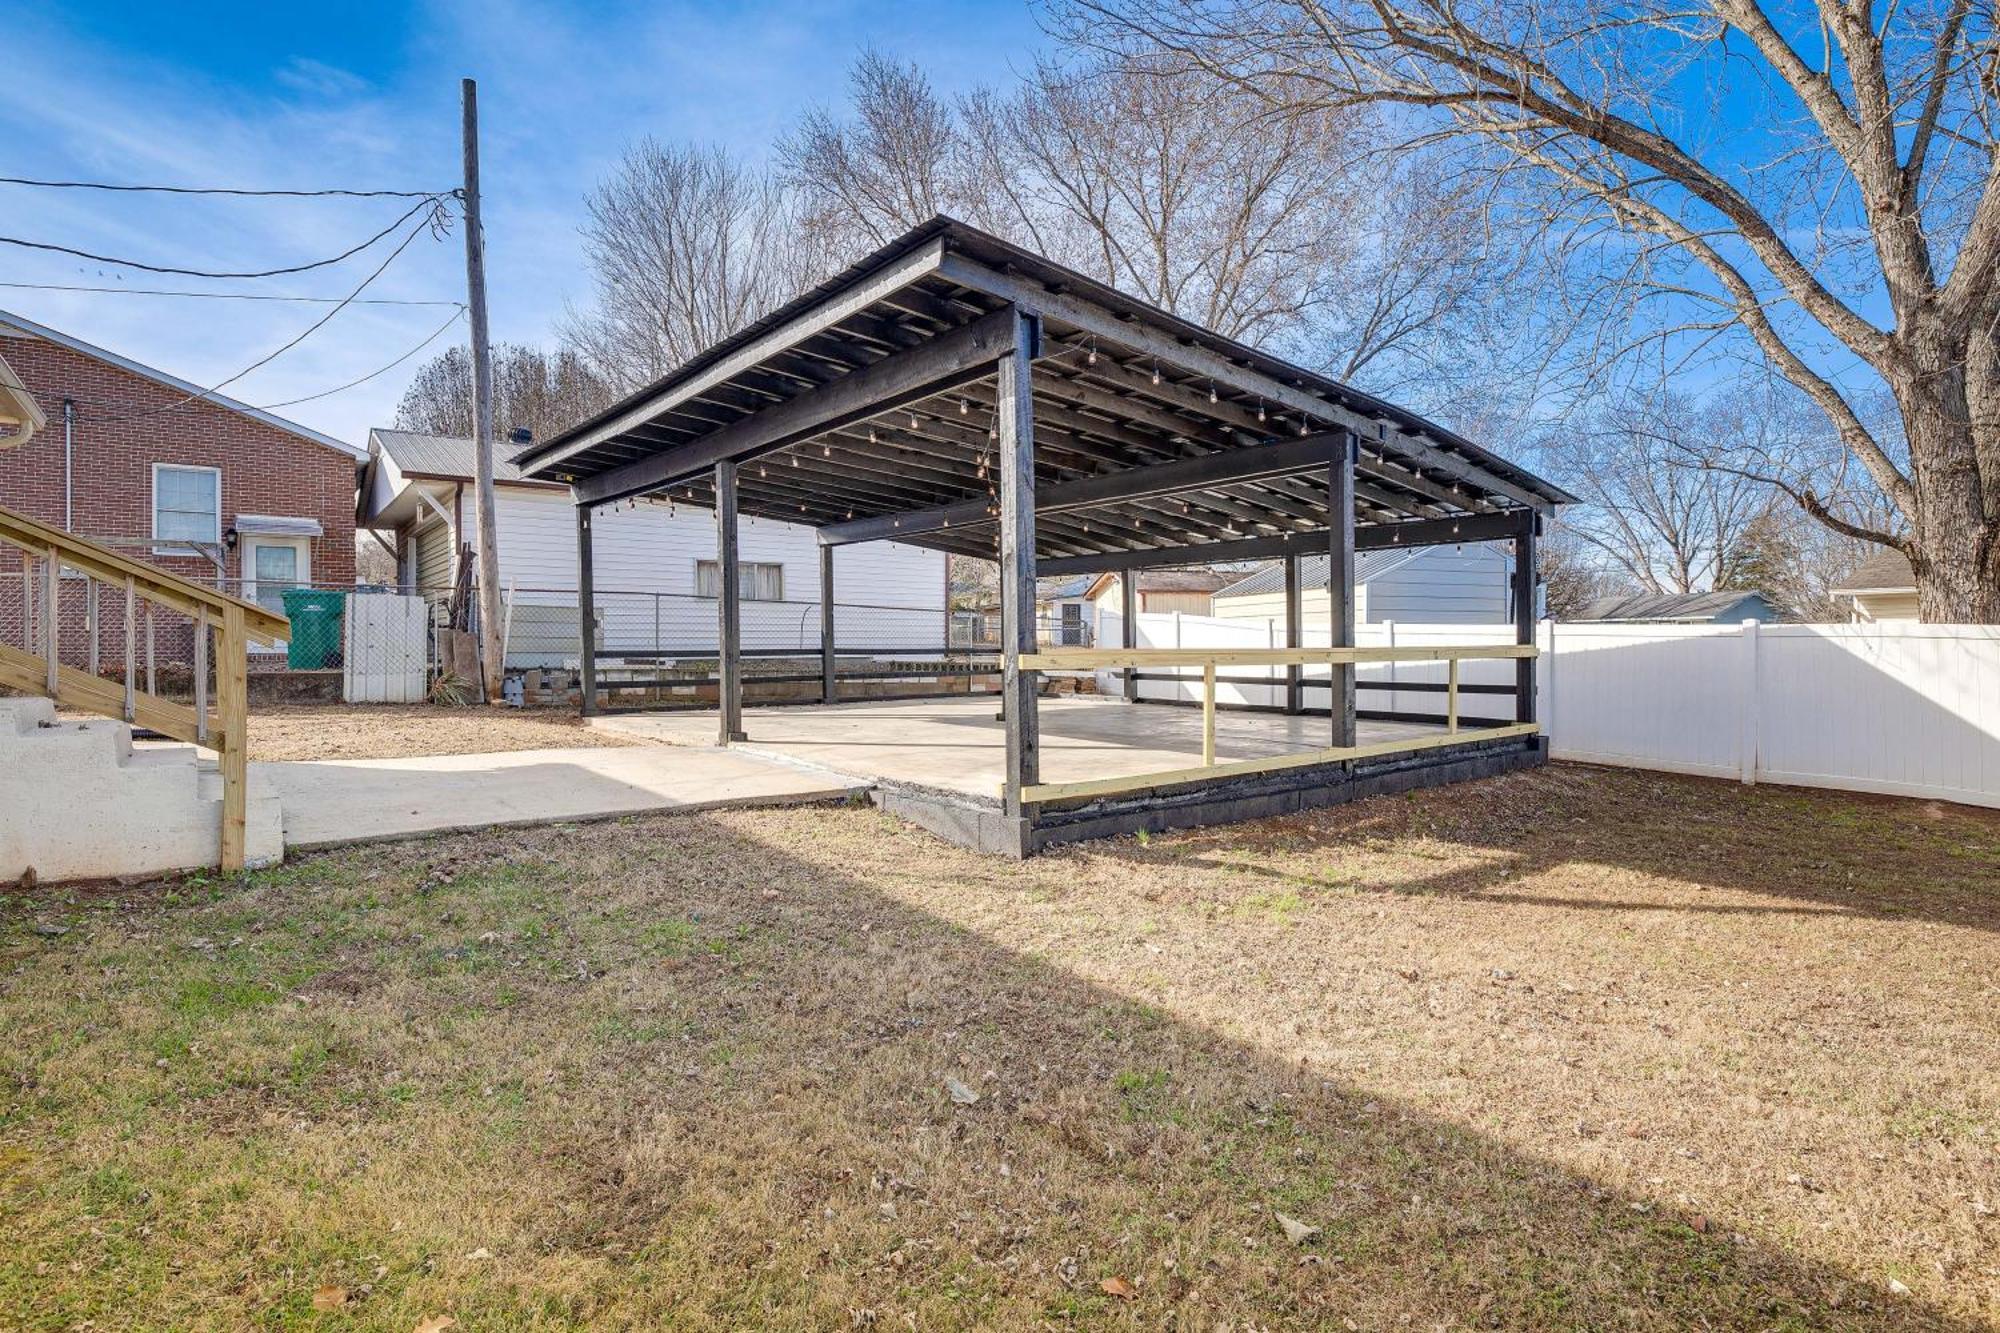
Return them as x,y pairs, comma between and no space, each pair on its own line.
1090,357
1260,409
963,407
914,423
1211,392
871,436
795,460
1156,372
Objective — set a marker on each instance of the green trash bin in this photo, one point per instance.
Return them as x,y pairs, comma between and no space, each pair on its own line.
315,617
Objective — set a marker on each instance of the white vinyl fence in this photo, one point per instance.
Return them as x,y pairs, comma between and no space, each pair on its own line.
1901,709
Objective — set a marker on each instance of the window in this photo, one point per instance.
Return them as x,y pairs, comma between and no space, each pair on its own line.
755,582
187,506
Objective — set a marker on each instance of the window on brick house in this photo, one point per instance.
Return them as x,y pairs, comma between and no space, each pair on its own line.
755,582
187,506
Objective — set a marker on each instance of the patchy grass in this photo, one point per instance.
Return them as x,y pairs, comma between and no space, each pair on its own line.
1571,1048
396,731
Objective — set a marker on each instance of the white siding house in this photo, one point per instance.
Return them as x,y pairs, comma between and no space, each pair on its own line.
647,562
1430,585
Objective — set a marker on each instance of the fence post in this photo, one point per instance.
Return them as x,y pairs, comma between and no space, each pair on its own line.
1746,741
90,618
1208,714
201,675
828,663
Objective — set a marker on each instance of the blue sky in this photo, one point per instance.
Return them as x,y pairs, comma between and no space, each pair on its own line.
304,97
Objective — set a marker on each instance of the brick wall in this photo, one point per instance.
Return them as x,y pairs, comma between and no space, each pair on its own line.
121,430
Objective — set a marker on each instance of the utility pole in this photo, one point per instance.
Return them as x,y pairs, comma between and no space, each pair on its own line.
482,407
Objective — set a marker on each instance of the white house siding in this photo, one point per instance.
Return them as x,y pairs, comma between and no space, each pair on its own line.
643,565
1440,585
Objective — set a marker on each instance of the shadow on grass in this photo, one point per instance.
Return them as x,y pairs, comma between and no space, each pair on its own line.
1819,853
681,1073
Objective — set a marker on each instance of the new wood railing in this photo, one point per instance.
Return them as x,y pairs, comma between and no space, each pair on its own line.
63,579
1208,659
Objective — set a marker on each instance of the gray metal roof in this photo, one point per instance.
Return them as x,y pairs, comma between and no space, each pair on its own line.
439,455
1692,606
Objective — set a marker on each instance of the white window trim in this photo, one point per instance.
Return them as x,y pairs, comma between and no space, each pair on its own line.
742,565
153,505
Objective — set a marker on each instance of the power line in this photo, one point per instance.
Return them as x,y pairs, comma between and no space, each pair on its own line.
310,329
192,189
431,201
223,296
436,333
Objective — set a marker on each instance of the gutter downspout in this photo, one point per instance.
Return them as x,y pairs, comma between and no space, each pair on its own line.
69,464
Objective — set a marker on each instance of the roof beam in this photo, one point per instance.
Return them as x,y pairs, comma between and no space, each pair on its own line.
1197,359
1139,483
965,353
910,268
1372,537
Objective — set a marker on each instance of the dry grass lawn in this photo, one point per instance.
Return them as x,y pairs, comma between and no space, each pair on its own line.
395,731
1567,1049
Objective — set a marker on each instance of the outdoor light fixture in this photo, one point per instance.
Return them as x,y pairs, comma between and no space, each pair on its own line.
1211,392
1260,409
1156,372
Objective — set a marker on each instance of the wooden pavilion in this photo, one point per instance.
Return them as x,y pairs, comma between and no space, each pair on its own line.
954,391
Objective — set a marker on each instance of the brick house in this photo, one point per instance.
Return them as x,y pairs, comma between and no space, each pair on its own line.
213,489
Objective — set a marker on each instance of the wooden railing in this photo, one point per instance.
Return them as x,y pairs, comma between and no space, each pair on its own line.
1208,659
63,579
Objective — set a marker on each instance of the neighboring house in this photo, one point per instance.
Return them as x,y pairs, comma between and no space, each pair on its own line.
1188,591
1882,587
1429,585
145,462
20,415
1690,608
1063,611
653,563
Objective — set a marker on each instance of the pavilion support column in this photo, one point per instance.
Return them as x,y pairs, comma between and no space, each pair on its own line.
586,612
1340,585
1015,412
828,692
1128,616
1524,619
728,607
1294,634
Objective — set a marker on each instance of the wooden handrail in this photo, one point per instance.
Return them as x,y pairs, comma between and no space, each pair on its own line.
238,624
1208,659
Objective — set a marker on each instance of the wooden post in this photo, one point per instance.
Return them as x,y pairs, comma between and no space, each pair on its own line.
1128,609
201,675
1015,413
828,688
1451,696
1295,690
1524,620
586,613
152,663
232,691
1208,714
728,606
131,648
90,619
491,663
52,617
1340,587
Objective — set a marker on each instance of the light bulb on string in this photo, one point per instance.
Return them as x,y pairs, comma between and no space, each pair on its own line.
1260,409
1156,372
1211,392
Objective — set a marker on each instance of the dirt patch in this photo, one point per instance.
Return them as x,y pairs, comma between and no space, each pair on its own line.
396,731
1567,1049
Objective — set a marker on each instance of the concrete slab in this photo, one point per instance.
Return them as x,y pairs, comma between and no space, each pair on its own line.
959,746
363,800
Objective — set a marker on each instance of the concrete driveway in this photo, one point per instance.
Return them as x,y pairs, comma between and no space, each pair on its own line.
330,802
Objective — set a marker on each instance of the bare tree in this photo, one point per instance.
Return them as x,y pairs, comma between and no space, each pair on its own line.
1283,229
686,245
1859,222
1664,521
542,391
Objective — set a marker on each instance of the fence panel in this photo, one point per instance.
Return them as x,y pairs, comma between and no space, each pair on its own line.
1901,709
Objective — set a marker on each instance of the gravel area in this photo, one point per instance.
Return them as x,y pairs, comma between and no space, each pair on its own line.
398,731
